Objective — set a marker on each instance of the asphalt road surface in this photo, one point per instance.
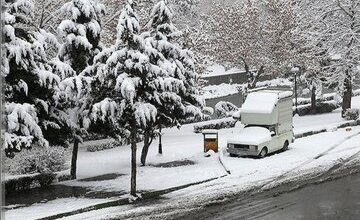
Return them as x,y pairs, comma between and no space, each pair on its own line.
337,199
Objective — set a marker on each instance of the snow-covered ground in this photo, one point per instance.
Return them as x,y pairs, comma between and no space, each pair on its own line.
310,155
224,89
219,70
184,144
215,91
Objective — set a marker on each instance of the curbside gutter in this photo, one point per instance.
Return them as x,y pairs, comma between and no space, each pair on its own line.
221,159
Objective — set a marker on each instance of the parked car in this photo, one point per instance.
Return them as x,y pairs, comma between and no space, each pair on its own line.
268,118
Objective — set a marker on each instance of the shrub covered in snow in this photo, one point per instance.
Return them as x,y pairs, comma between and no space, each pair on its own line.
225,109
106,145
352,114
356,92
38,160
324,98
225,123
321,108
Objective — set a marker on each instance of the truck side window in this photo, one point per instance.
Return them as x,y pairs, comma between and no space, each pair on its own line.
272,130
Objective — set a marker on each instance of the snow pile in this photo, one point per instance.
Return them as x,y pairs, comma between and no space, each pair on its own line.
251,136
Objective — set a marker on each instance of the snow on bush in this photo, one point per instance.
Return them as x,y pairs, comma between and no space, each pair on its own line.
38,160
352,114
218,124
321,108
225,109
106,146
356,92
275,83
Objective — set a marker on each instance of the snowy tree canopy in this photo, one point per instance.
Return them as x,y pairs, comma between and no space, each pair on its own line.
178,67
30,83
81,34
330,35
254,35
125,77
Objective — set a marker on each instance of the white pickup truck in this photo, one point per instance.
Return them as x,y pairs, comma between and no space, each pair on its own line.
268,119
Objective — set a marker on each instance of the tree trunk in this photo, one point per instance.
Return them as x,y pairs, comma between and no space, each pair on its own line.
256,77
313,100
74,159
160,144
347,95
145,149
133,166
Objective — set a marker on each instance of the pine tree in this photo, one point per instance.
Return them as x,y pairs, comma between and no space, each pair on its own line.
178,66
125,76
28,80
81,35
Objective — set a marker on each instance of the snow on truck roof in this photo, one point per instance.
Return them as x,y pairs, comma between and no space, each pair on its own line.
264,101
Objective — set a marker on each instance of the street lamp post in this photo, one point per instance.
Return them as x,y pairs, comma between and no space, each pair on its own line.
295,92
295,71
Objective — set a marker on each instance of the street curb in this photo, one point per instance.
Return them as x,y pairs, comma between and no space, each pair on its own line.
221,155
125,201
342,125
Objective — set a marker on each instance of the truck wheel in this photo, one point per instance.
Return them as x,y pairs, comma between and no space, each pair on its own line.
286,146
263,152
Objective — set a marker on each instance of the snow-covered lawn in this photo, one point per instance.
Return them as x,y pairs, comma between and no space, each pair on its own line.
184,144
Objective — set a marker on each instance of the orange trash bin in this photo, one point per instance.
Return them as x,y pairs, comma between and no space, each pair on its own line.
210,140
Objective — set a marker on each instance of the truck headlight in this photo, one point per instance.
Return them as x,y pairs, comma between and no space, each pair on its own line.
254,147
231,145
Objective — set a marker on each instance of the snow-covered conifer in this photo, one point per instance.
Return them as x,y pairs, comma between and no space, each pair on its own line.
28,79
81,42
181,101
81,33
125,79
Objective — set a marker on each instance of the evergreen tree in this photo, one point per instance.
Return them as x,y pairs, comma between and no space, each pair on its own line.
125,78
81,35
130,85
29,82
179,69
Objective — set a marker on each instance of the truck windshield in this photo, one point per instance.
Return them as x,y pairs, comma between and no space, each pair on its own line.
269,127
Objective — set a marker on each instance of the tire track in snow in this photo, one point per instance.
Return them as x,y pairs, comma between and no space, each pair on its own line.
282,176
339,165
